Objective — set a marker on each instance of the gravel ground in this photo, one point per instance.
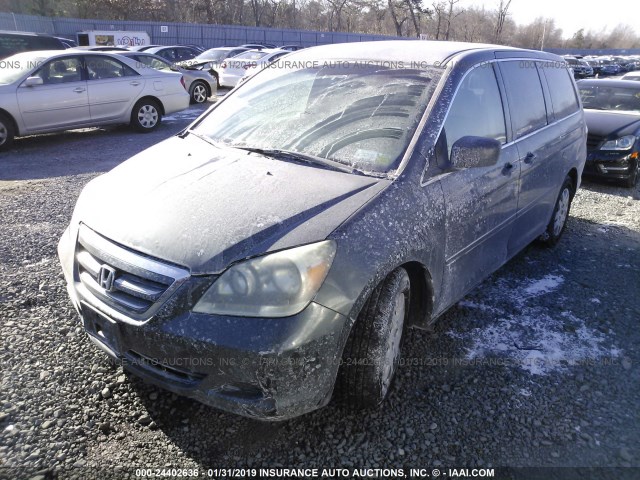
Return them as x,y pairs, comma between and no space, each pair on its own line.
536,367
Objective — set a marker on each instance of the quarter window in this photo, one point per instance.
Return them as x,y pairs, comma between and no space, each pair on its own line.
526,99
476,109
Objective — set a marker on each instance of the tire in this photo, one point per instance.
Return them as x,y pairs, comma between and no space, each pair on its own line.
214,74
633,178
372,351
7,132
199,92
558,221
146,115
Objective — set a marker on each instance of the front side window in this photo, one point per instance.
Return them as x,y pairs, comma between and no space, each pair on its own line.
361,115
476,109
60,70
101,68
526,98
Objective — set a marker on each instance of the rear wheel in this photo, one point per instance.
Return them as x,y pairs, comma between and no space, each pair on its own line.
558,221
146,116
199,92
372,351
7,132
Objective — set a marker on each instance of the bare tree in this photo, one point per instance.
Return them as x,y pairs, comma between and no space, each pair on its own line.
450,17
503,9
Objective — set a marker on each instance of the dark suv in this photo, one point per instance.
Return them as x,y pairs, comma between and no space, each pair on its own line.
16,42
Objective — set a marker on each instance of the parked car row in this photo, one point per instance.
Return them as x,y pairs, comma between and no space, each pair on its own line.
612,65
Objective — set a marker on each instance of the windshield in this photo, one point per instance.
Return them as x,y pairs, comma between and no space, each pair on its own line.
212,55
362,116
14,67
601,97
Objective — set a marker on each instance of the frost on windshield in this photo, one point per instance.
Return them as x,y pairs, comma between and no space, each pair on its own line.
360,115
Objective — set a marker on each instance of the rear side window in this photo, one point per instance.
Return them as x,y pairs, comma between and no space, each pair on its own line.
476,109
563,95
101,68
16,43
526,98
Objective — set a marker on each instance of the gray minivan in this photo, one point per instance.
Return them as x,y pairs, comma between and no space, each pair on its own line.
278,248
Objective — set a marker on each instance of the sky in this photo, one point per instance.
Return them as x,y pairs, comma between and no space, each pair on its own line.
570,15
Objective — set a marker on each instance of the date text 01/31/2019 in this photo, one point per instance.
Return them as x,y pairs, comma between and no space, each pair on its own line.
328,473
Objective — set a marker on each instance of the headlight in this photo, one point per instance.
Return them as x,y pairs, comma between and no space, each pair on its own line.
622,143
274,285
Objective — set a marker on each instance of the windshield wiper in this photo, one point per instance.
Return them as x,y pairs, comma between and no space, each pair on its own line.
309,159
198,135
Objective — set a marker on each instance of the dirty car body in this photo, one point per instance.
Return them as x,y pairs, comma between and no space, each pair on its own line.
238,255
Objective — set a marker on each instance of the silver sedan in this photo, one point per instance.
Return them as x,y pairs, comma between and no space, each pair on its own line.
200,84
47,91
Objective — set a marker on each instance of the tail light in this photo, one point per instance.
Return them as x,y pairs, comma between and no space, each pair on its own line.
182,82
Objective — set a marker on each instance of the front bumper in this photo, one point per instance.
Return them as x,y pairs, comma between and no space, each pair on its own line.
264,368
613,165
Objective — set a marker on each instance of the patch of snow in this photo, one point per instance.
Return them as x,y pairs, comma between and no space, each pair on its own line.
547,284
528,335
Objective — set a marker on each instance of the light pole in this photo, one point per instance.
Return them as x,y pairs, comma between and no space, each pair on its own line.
544,31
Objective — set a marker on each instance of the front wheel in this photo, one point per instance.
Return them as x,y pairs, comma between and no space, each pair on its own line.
146,116
199,92
372,352
558,221
6,132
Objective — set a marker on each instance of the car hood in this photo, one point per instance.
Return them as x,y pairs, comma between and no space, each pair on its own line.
606,123
203,207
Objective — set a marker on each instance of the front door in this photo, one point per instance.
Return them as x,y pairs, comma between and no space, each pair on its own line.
480,202
60,102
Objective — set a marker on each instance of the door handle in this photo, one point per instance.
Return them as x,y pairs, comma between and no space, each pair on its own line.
135,83
79,89
529,158
506,170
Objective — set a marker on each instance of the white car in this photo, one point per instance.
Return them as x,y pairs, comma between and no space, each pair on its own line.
233,69
47,91
631,76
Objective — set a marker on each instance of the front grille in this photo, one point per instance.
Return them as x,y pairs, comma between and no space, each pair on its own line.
127,281
594,141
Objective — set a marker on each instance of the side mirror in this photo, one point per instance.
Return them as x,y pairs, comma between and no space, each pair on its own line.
470,152
33,81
